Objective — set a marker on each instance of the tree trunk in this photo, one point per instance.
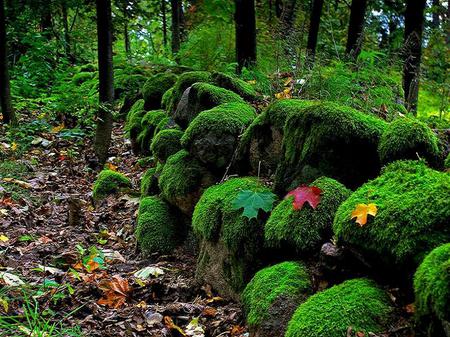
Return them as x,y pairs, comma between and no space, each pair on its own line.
414,20
278,8
436,6
106,80
5,92
125,30
356,28
314,24
164,21
67,47
245,20
176,40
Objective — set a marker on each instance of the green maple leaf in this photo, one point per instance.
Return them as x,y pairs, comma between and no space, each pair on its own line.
252,202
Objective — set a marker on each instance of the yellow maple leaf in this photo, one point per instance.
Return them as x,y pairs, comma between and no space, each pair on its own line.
58,128
111,167
361,211
4,238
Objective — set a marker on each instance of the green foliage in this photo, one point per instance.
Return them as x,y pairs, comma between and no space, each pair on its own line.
155,88
447,162
288,279
412,202
252,202
356,303
304,230
109,182
157,228
80,78
408,138
432,284
166,143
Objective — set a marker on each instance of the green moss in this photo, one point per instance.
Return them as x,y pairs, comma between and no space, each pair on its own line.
149,124
412,218
166,143
209,96
137,107
166,99
155,88
408,138
432,284
240,87
82,77
89,68
157,230
128,83
290,279
447,162
329,140
213,135
304,230
356,303
109,182
185,81
149,181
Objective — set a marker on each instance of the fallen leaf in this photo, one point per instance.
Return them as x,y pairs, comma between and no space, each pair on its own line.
194,328
361,211
252,202
168,322
11,279
5,304
13,146
115,292
209,312
57,129
302,194
17,182
146,272
3,238
237,330
410,308
111,167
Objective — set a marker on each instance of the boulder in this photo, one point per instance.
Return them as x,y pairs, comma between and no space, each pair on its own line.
155,87
166,143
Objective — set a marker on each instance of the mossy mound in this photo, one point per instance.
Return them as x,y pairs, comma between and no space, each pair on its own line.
356,303
329,140
230,242
447,162
213,135
432,286
149,123
166,99
200,97
158,230
183,180
261,143
408,138
303,231
109,182
240,87
166,143
89,68
288,282
133,125
149,181
185,80
82,77
412,218
155,87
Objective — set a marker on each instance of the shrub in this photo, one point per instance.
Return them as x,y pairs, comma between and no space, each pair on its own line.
109,182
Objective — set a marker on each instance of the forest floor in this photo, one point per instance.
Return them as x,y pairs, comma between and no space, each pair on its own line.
64,259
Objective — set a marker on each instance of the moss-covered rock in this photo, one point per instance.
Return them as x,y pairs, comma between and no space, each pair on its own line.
149,181
149,123
303,231
231,243
200,97
329,140
133,125
128,84
356,303
213,135
432,290
183,180
166,143
155,87
82,77
109,182
261,144
240,87
412,218
447,162
408,138
158,229
166,99
272,296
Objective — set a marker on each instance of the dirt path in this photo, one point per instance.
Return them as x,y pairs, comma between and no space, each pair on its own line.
85,259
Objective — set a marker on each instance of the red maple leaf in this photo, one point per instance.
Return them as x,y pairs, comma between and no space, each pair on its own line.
302,194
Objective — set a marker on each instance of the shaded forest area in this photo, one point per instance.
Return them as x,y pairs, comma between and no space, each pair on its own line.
241,168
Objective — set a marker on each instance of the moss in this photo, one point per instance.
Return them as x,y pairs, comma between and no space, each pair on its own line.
109,182
236,85
408,138
213,135
149,181
149,124
329,140
166,143
82,77
304,230
155,88
89,68
138,106
209,96
432,284
185,81
447,162
166,99
182,180
157,229
128,84
289,279
412,218
356,303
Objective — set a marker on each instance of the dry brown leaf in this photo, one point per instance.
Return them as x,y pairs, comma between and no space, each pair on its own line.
115,292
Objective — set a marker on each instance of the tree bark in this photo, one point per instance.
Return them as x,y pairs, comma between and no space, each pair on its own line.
314,24
8,113
176,39
125,30
164,21
414,21
67,46
245,21
356,28
106,80
435,17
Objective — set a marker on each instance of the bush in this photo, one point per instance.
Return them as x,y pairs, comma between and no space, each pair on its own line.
356,303
109,182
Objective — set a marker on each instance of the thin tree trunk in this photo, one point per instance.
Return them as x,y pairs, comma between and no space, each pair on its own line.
176,39
164,21
106,80
245,20
314,24
356,27
414,21
67,46
435,18
8,113
125,30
